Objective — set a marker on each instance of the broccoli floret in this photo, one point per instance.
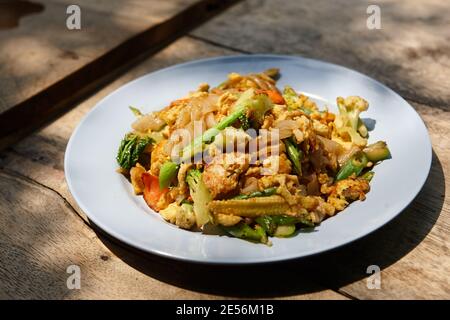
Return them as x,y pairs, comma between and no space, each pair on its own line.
130,149
293,101
349,125
291,98
201,196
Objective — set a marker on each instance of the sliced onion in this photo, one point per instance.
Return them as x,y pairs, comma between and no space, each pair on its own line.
286,127
210,120
312,188
331,146
148,122
251,185
343,157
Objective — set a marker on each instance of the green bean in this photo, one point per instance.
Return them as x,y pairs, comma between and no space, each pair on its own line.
244,231
271,223
368,175
294,154
265,193
267,223
354,165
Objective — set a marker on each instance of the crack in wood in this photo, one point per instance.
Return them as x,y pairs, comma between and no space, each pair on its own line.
17,175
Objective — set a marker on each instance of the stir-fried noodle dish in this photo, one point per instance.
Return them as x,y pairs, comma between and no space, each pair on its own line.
250,160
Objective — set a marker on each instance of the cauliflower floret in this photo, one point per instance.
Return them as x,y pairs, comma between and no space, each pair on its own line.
182,216
321,129
227,219
349,129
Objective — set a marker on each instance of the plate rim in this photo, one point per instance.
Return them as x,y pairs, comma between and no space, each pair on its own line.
262,260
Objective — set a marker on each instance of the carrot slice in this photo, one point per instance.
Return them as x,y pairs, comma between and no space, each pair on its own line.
275,96
152,192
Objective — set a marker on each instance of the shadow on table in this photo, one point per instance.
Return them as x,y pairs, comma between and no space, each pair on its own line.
332,269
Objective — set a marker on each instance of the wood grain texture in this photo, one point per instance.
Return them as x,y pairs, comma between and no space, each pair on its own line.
412,250
41,236
45,68
410,53
34,167
42,51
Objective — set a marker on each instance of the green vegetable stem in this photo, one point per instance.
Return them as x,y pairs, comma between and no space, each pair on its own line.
265,193
294,154
354,165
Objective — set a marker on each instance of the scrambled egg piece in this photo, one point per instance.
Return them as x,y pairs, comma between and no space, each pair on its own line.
221,176
136,178
346,191
159,157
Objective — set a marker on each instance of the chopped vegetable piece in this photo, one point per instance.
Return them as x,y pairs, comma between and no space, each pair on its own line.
253,207
354,165
275,96
248,101
284,231
152,192
245,122
130,149
200,195
362,129
244,231
348,123
293,101
295,155
135,111
377,151
167,173
267,223
265,193
270,223
272,72
368,175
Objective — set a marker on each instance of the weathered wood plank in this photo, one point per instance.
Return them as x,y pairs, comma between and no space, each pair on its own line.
412,250
45,68
41,50
41,236
410,53
40,157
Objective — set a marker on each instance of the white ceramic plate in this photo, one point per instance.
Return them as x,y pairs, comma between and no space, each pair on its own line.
107,198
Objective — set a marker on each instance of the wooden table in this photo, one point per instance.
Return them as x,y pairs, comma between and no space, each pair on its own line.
42,230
